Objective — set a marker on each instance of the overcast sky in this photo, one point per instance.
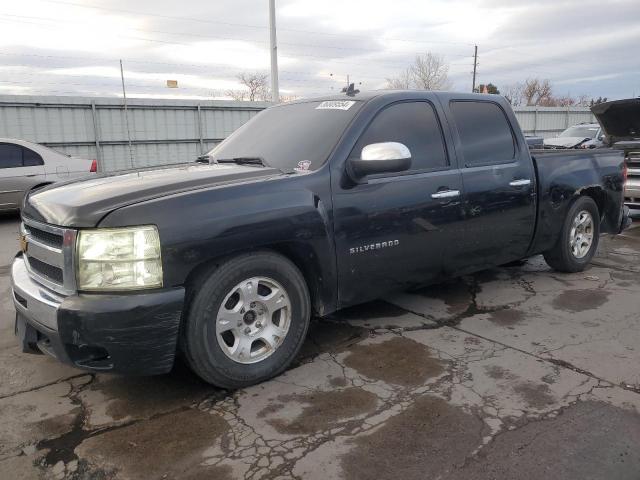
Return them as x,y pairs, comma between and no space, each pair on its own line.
72,47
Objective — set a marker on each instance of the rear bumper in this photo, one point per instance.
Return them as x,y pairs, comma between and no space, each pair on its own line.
632,194
132,334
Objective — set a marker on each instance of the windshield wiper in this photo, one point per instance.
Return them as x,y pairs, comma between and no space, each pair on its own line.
249,161
243,161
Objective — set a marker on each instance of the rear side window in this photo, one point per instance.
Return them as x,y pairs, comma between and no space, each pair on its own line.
30,158
414,124
484,132
10,155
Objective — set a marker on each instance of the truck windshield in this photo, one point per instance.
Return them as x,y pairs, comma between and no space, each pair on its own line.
290,136
580,132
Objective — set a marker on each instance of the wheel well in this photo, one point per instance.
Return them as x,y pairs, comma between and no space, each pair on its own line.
597,195
304,259
40,185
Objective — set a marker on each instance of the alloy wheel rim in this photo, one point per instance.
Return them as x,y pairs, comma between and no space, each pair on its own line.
253,320
581,235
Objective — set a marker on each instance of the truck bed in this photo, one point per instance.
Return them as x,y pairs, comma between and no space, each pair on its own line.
563,173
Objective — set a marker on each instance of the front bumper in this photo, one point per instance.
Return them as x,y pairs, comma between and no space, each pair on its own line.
133,333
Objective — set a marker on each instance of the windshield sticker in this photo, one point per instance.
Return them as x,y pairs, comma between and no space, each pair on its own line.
336,105
303,166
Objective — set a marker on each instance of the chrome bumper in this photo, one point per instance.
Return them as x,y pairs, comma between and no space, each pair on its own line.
32,300
632,192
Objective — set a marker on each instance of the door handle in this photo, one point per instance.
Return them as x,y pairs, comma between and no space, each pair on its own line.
446,194
520,183
31,175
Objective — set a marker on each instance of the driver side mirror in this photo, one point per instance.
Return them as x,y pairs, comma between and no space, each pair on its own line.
386,157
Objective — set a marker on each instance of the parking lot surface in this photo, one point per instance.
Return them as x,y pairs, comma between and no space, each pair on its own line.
516,372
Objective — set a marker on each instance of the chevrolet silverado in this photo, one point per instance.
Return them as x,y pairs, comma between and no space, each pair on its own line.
310,207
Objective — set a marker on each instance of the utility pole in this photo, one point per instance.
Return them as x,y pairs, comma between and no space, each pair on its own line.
475,67
126,114
275,92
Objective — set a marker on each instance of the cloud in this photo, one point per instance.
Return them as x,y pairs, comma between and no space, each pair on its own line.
73,46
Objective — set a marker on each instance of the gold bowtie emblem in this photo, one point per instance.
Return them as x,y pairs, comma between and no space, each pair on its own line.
24,244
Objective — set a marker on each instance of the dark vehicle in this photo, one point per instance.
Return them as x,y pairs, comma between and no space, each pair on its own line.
621,120
310,207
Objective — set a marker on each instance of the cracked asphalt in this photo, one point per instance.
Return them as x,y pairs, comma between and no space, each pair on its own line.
516,372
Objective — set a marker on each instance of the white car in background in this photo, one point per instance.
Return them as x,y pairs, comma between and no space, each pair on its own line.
583,135
26,165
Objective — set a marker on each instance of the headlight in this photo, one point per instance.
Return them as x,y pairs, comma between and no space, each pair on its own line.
119,259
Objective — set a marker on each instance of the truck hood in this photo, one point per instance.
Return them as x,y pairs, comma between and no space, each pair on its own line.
619,119
563,142
84,203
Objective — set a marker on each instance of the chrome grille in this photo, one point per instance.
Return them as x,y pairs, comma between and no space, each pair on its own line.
49,255
54,274
51,239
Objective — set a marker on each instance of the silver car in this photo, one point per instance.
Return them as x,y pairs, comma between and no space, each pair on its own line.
26,165
583,135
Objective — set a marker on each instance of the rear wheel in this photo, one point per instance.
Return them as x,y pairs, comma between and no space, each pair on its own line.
579,238
247,320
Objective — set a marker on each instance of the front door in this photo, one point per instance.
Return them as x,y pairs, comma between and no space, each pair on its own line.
391,232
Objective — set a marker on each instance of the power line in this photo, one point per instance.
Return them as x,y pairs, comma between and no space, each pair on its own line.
244,25
53,24
314,76
368,64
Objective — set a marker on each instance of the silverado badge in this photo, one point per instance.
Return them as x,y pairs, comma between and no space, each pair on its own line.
374,246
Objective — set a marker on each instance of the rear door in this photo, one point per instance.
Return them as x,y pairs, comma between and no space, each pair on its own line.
391,232
20,170
499,186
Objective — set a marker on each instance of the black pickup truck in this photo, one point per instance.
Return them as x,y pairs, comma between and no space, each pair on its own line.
310,207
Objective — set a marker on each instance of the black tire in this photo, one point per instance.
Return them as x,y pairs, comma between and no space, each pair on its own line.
561,257
200,344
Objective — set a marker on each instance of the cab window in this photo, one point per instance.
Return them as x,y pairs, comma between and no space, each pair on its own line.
484,132
413,124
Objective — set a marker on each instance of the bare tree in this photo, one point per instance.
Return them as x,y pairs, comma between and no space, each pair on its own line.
255,88
257,84
428,72
238,95
537,92
582,101
404,81
513,94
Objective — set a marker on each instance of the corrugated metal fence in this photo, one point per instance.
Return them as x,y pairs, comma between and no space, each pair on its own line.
549,121
169,131
162,131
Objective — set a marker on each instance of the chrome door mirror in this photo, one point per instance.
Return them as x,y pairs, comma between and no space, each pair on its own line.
383,157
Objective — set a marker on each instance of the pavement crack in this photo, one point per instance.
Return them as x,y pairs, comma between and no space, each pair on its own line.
44,385
554,361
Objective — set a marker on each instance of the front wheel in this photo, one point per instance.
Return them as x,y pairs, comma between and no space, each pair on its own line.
247,320
579,238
